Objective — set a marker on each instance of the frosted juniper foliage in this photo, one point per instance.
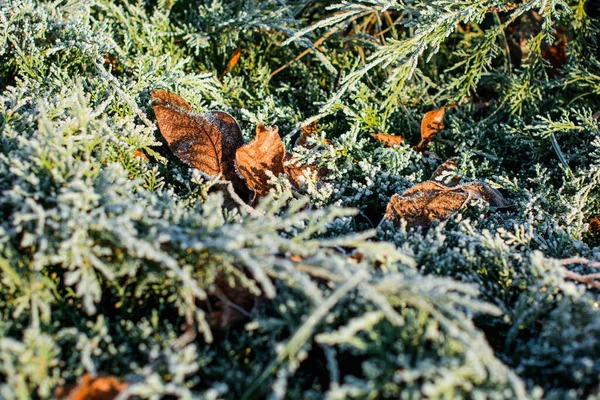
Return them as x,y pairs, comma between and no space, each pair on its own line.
107,258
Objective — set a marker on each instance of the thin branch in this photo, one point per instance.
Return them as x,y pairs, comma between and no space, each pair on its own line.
316,44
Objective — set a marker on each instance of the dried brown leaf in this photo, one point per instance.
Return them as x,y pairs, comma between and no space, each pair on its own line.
487,193
388,140
595,225
205,142
448,168
90,388
431,201
170,99
425,203
298,173
264,153
306,132
431,124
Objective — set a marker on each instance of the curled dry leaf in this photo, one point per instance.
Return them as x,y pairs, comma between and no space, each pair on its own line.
431,124
235,58
90,388
431,201
205,142
388,140
296,172
264,153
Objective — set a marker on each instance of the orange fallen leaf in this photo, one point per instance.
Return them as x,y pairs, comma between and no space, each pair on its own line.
298,174
431,201
388,140
431,124
90,388
264,153
164,98
206,142
235,58
296,258
424,203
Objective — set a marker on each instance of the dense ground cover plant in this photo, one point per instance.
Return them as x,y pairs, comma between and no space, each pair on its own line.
117,258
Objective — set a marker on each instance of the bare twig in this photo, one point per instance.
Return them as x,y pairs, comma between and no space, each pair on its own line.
589,279
316,44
